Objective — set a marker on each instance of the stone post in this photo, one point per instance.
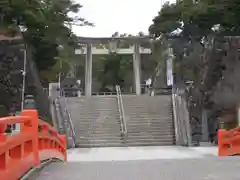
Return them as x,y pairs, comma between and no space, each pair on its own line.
88,71
137,68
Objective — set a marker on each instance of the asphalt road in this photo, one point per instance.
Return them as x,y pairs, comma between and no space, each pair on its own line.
208,168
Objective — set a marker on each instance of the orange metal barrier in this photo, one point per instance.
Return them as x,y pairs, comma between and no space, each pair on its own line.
36,142
229,142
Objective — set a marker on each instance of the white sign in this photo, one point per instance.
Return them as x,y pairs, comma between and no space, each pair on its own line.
149,82
79,82
170,72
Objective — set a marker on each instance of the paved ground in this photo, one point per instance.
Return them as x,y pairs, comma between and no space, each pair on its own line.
174,163
139,153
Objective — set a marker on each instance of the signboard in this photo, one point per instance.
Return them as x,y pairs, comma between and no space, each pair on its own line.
54,90
113,47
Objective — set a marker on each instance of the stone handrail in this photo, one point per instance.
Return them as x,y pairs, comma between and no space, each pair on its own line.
181,121
121,110
68,124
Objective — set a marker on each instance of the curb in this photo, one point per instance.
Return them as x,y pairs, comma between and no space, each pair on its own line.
33,172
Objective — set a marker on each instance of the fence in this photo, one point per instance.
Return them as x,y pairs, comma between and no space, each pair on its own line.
37,142
229,142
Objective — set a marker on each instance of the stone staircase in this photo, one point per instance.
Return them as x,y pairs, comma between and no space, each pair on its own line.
149,120
96,121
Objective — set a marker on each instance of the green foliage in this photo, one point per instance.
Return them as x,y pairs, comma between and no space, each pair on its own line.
199,19
115,67
159,56
45,25
190,25
195,30
51,74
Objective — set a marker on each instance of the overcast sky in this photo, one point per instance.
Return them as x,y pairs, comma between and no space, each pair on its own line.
124,16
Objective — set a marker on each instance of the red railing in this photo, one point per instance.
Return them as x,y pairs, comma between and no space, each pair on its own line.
229,142
36,142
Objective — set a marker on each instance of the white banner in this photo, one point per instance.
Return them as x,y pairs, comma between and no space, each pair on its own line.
170,72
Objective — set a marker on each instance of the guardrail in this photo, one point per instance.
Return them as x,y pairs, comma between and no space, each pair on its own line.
58,117
229,142
121,110
36,142
68,124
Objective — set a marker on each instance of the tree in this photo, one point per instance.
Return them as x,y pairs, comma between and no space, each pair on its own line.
196,31
46,25
115,67
190,26
43,26
197,19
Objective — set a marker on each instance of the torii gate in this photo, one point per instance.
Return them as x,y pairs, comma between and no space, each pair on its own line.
136,50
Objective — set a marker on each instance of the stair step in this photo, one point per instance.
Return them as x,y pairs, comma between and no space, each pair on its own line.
148,119
107,129
79,125
127,140
165,130
95,113
150,138
145,140
153,126
164,114
91,145
95,118
100,131
168,143
155,133
144,114
94,122
122,144
150,124
96,126
95,138
146,110
103,141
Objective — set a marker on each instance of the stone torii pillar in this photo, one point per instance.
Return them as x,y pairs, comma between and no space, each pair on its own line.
137,67
88,71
